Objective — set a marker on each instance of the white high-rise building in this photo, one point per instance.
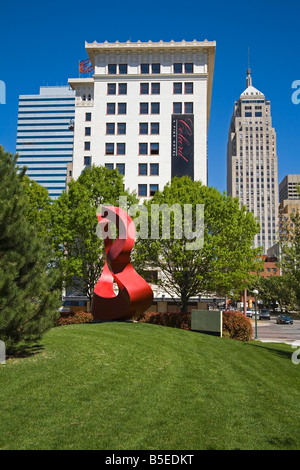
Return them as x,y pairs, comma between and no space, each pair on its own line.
145,111
252,173
45,136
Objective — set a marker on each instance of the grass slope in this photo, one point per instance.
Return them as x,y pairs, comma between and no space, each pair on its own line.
141,386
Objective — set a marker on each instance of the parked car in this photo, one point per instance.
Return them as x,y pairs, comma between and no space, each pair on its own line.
284,319
264,314
249,312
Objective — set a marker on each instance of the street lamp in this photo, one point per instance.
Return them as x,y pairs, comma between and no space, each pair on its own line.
255,292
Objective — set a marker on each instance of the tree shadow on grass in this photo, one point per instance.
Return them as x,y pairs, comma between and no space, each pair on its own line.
23,351
274,350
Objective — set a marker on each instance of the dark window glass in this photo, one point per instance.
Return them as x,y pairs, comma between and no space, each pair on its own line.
177,108
154,169
154,108
122,88
248,114
258,114
112,69
87,161
111,108
109,166
177,68
87,131
188,108
109,149
153,189
155,68
177,88
143,128
121,168
143,149
144,108
88,116
111,88
121,108
154,127
154,149
123,68
189,88
144,89
122,128
189,68
142,190
87,145
155,88
110,128
143,169
144,68
120,149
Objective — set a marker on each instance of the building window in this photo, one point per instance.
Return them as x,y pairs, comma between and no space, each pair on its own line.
154,127
111,88
109,166
88,116
143,171
189,88
248,114
177,68
189,68
177,108
144,88
110,128
144,108
120,149
155,68
87,161
155,88
87,131
144,68
123,69
121,168
154,169
258,114
121,128
112,69
188,108
143,128
154,108
177,88
142,190
122,88
154,149
153,189
109,149
122,108
143,149
87,145
111,108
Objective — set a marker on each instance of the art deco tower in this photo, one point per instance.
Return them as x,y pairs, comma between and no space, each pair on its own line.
252,173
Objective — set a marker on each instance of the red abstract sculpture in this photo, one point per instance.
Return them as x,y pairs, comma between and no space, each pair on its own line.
135,295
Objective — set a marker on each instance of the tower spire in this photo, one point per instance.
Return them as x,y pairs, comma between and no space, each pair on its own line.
249,78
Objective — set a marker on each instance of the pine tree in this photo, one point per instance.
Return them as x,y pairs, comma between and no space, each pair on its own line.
28,302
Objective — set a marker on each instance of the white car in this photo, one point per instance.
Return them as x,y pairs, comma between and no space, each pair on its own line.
249,312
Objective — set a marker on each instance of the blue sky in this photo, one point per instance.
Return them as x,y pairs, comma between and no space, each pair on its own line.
41,43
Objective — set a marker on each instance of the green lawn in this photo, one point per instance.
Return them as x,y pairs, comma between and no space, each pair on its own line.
140,386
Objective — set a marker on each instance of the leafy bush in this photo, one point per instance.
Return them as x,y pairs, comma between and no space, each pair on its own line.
237,326
75,318
172,319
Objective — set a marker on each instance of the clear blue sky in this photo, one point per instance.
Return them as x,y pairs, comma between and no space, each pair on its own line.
41,43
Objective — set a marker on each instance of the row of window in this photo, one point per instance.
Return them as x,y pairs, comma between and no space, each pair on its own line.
153,68
144,169
178,88
120,148
150,108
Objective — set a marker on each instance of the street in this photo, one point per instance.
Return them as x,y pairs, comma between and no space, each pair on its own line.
269,331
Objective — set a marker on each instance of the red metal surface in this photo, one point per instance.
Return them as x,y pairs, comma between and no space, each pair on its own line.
135,295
